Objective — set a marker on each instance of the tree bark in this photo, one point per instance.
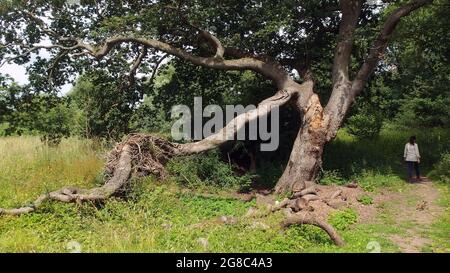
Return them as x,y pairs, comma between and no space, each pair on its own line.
306,156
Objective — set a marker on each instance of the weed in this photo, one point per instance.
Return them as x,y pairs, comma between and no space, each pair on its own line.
342,220
365,200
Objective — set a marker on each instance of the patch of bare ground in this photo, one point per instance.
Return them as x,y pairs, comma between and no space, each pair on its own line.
347,197
309,204
412,211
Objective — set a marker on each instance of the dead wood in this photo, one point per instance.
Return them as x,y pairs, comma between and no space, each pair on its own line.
336,194
310,219
137,155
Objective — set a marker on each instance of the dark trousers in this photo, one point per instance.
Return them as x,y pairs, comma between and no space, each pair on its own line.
413,165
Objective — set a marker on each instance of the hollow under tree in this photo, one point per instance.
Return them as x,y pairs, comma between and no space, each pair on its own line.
31,26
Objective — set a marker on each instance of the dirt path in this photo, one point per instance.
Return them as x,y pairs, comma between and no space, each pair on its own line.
412,211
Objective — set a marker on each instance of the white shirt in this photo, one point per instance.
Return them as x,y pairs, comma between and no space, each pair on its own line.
411,152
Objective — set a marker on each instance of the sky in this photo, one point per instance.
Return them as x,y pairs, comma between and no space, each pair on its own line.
19,74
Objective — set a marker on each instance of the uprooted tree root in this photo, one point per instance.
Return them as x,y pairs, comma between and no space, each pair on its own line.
142,155
311,219
137,155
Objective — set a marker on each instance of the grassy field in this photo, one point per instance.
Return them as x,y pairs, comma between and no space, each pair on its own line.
161,218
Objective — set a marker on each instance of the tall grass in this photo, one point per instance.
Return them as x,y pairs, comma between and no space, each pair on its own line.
29,168
350,156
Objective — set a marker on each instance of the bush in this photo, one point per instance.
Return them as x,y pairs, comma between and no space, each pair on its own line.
342,220
365,200
332,177
365,125
54,124
441,170
207,169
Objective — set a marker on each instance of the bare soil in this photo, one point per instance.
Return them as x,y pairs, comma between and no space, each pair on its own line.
416,208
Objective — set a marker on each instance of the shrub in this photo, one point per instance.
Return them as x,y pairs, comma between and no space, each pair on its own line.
365,125
441,170
365,200
54,124
207,169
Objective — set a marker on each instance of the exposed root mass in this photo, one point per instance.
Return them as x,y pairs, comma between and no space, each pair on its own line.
138,155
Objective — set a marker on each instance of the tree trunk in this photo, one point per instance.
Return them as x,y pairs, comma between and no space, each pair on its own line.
306,156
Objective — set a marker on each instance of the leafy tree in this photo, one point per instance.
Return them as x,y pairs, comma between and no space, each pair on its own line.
52,122
421,67
366,124
8,89
106,110
26,112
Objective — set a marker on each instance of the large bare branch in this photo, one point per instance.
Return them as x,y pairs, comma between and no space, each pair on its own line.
269,70
220,50
155,69
344,90
239,122
380,44
136,64
208,36
75,195
351,10
338,102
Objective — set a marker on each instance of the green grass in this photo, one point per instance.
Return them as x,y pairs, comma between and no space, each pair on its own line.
29,168
440,230
348,156
164,220
365,200
159,217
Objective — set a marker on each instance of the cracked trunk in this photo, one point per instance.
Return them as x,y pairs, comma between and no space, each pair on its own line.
306,156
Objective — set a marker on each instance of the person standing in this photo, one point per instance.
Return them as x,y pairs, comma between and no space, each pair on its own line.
412,158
